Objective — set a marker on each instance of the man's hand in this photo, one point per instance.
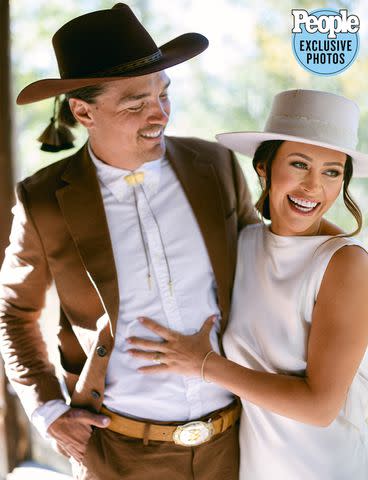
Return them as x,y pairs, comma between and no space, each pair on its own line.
71,431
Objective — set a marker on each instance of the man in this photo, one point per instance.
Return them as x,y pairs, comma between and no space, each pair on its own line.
135,223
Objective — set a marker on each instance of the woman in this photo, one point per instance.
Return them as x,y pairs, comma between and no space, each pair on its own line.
298,330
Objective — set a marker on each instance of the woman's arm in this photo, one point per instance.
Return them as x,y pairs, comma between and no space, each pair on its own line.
337,342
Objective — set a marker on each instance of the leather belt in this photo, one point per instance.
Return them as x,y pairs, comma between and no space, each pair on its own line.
188,434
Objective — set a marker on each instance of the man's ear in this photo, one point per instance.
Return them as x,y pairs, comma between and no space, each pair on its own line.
81,111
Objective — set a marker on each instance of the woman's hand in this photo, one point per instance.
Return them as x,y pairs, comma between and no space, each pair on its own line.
177,353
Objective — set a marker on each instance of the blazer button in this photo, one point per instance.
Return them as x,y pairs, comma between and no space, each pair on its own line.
101,351
95,394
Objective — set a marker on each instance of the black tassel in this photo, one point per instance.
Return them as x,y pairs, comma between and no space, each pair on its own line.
57,136
65,137
50,138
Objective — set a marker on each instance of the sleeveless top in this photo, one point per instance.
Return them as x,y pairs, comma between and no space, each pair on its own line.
276,286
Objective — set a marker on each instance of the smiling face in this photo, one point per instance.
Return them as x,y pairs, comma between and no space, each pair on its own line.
127,120
305,182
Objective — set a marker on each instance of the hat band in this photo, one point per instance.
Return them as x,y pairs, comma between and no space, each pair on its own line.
312,129
123,67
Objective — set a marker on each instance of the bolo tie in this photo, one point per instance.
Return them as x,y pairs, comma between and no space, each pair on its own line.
135,180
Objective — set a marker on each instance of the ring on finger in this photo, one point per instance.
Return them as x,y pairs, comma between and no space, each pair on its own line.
157,358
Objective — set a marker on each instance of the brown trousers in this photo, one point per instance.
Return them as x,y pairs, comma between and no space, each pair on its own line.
111,456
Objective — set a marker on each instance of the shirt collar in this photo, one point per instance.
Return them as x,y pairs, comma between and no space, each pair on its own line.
113,177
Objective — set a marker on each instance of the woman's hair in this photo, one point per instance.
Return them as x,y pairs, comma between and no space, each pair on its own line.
265,154
88,94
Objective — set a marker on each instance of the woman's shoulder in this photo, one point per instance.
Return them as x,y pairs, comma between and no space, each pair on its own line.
251,230
335,245
351,257
343,260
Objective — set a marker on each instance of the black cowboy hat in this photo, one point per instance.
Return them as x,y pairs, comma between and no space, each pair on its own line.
107,45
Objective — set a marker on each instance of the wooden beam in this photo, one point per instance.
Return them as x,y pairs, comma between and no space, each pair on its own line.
14,436
6,177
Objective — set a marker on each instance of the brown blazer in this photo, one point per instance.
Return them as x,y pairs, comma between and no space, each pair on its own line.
60,233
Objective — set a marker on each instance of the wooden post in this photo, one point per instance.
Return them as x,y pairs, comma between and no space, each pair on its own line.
6,177
14,441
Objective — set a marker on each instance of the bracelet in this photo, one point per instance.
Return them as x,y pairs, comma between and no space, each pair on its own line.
203,365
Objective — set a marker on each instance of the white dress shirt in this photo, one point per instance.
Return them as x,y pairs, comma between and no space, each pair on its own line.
174,244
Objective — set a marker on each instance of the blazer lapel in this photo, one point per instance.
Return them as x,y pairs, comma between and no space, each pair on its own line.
82,207
201,185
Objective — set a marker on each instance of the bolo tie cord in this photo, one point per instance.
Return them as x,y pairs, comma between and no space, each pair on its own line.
145,246
161,240
143,241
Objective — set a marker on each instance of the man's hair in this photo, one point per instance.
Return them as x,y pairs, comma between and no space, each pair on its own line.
88,94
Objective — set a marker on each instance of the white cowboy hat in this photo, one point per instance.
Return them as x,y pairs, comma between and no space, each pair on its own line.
307,116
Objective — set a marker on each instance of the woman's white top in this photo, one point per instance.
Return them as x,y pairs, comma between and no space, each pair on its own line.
276,286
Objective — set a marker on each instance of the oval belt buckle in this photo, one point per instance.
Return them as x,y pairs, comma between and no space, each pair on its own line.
193,433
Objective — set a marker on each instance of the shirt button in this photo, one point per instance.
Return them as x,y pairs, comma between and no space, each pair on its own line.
95,394
101,351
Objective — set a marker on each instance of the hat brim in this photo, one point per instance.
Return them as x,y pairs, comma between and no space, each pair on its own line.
248,142
176,51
